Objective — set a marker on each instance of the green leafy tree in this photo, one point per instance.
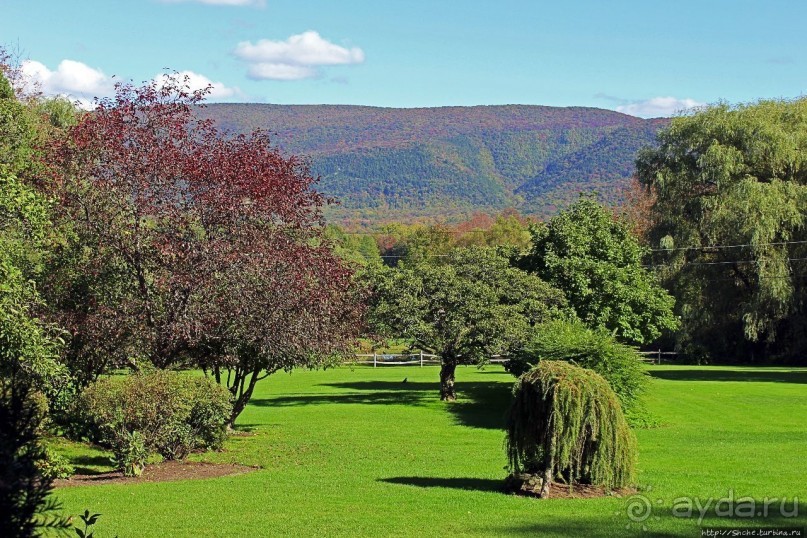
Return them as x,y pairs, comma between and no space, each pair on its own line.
28,366
465,307
18,133
597,262
357,248
414,243
509,230
731,198
6,91
619,364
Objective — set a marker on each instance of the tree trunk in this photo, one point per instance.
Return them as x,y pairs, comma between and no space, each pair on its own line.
447,369
549,463
241,389
546,484
241,402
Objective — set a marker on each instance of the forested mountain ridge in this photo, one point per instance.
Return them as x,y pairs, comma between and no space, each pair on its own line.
392,163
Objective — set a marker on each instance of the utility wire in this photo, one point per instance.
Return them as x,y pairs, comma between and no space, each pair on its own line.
729,262
711,247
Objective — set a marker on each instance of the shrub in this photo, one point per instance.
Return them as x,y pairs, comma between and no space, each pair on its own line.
566,422
209,414
597,350
171,412
130,453
52,465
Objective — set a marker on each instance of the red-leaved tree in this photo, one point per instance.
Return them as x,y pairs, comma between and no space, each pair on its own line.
192,246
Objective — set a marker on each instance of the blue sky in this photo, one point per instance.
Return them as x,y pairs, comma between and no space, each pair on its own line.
645,57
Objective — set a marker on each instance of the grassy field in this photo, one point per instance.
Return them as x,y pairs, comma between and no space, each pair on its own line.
356,452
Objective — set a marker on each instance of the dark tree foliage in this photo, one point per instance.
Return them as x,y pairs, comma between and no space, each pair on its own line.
192,246
566,424
26,506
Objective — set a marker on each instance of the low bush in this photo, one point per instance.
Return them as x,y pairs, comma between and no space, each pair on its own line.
166,412
619,364
566,424
130,453
53,466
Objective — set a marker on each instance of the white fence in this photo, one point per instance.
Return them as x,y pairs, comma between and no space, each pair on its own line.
422,359
407,359
656,357
391,359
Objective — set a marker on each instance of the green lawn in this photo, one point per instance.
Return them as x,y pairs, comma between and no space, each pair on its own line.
356,452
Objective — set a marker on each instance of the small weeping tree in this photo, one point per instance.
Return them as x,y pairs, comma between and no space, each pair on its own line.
566,425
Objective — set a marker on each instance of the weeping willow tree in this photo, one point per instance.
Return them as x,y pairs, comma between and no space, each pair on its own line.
729,227
566,424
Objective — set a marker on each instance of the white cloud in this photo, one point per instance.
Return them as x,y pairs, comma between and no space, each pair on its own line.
239,3
307,48
263,71
79,82
195,81
658,107
295,58
71,79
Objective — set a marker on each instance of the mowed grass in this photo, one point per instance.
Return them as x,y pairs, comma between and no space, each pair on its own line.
357,452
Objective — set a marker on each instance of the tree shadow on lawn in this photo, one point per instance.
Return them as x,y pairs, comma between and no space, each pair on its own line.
471,484
88,465
246,428
579,526
753,374
479,404
660,517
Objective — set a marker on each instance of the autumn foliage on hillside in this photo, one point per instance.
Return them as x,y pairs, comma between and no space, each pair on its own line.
387,164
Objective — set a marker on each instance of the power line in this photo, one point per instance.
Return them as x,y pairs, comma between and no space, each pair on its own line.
710,247
405,256
728,262
475,230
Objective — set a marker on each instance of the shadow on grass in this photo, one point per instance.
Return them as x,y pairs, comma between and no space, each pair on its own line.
470,484
751,374
662,522
245,428
89,465
479,404
578,526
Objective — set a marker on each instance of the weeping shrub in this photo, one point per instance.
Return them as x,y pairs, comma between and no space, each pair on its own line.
566,424
166,412
619,364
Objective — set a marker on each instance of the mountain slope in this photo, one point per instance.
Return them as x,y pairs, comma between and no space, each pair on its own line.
445,162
